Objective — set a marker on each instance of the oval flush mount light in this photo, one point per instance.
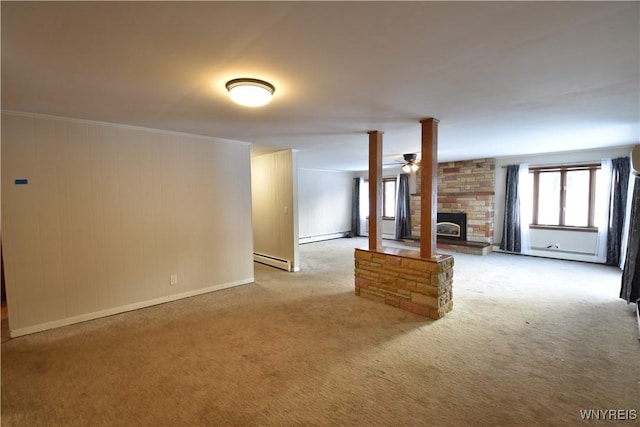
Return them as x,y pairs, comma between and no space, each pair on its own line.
250,92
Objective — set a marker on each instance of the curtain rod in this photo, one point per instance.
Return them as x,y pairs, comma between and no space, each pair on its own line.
592,162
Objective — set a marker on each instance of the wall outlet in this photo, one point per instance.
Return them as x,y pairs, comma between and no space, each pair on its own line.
174,279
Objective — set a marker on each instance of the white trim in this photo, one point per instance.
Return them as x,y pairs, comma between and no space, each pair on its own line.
122,309
122,126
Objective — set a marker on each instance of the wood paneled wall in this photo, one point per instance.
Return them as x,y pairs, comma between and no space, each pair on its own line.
275,205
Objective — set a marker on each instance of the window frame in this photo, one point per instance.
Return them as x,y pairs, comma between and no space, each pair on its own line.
563,169
384,197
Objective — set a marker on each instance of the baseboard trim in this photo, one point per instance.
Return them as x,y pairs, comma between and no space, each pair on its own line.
123,309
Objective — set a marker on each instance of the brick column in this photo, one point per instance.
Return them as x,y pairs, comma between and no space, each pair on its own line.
417,282
403,279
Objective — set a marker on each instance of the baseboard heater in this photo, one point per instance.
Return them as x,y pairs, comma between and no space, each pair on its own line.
560,251
282,264
321,237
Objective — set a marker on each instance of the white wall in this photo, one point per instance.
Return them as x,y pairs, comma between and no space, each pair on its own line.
324,204
573,245
111,212
275,206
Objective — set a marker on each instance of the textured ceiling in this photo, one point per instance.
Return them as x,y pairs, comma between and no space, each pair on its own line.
503,78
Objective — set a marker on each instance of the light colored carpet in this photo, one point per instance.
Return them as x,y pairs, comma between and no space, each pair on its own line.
530,341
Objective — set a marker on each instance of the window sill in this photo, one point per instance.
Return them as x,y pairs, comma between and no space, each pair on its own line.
564,228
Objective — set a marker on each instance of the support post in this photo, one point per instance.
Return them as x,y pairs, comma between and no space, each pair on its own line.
429,188
375,190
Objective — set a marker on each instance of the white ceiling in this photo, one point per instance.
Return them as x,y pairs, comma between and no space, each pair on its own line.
503,78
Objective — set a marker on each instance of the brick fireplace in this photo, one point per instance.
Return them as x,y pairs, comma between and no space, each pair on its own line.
464,187
452,226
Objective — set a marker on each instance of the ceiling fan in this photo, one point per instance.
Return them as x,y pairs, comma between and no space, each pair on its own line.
410,163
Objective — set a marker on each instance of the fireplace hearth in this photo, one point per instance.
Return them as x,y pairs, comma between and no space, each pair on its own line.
452,226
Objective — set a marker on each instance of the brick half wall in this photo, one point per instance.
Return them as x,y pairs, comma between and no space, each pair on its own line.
402,279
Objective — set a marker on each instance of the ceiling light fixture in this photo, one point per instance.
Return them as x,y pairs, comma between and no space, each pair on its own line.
250,92
410,168
411,164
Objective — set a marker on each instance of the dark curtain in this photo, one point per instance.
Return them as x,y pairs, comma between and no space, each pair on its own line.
511,239
630,290
403,213
618,207
355,210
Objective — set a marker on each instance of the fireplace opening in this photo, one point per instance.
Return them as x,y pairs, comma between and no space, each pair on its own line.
452,226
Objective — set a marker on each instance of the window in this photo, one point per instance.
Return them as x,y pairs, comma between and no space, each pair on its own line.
388,198
564,196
